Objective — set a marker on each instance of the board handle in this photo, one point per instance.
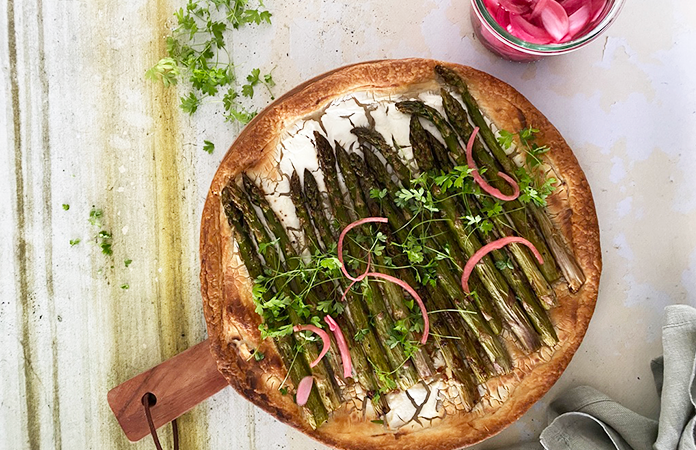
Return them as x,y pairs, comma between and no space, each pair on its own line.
178,384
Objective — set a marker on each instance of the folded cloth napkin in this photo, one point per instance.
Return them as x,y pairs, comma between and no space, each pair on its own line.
585,419
676,383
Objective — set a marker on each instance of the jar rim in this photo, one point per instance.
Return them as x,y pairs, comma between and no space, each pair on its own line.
504,36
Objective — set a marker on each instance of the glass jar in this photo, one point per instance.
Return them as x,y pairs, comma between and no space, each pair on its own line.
499,41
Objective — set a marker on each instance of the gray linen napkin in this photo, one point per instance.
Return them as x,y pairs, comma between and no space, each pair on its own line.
588,419
585,419
678,389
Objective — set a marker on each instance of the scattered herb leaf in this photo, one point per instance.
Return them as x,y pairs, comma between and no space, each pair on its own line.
264,245
95,216
505,138
504,264
360,334
103,238
378,194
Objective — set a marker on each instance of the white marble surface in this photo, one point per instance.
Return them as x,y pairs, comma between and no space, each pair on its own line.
80,125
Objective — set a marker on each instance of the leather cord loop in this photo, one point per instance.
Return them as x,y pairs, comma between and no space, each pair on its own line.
149,400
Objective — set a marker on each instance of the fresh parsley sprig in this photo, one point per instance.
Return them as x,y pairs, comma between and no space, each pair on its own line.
197,53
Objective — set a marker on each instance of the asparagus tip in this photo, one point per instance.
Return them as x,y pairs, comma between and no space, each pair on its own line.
295,185
325,153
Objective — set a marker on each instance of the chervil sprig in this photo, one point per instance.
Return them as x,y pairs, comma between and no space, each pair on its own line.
534,185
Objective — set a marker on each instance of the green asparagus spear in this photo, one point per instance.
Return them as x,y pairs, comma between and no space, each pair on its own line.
361,330
377,141
528,265
354,306
359,188
563,254
446,284
293,262
374,301
325,380
362,369
501,293
514,208
303,214
529,302
441,233
297,366
392,293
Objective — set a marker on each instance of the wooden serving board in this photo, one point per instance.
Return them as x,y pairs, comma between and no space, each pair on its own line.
178,384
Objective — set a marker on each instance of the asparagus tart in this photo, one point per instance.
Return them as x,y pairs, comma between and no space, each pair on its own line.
398,254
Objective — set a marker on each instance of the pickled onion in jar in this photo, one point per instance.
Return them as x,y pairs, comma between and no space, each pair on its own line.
547,21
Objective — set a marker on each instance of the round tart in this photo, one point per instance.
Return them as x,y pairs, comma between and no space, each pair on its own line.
275,142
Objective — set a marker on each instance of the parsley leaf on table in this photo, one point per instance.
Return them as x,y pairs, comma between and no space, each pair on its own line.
208,147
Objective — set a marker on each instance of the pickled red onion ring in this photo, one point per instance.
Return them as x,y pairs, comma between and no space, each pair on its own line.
520,27
539,5
342,346
578,20
571,5
324,338
483,183
495,245
304,388
340,244
503,17
516,6
546,21
555,19
414,294
352,283
597,8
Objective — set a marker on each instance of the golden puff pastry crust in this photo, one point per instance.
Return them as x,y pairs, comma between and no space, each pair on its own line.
229,310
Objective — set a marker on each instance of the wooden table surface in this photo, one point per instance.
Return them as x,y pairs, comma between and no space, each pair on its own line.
80,125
